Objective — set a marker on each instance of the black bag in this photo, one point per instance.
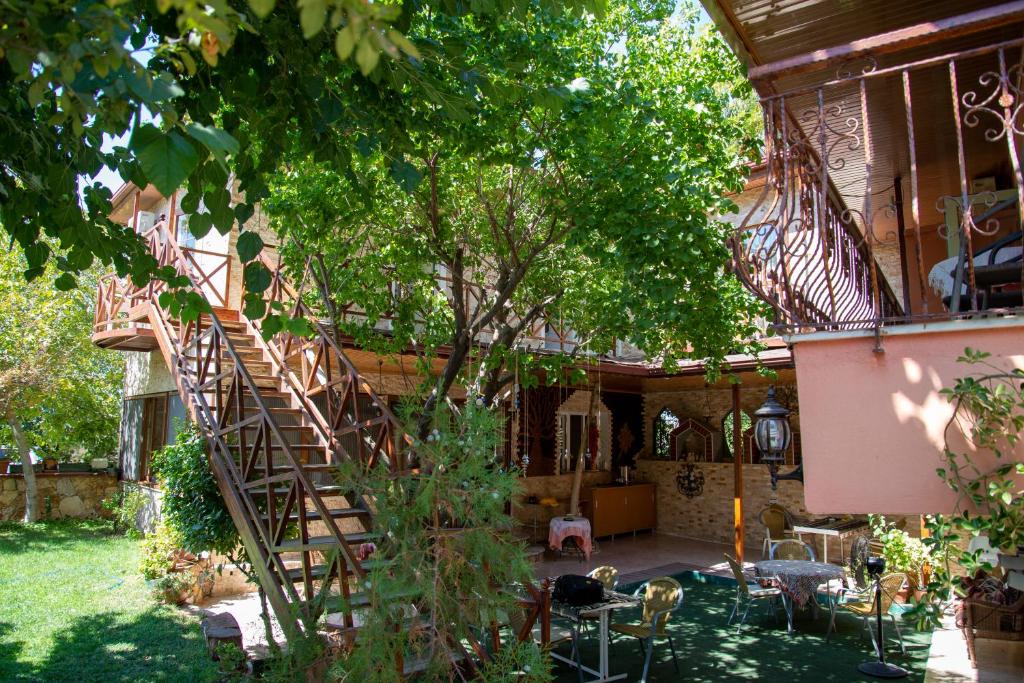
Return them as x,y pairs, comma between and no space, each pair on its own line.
575,590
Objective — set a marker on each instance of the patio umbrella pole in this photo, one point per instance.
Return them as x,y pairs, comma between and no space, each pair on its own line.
880,669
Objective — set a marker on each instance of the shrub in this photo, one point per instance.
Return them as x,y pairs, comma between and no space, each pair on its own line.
193,505
160,552
124,507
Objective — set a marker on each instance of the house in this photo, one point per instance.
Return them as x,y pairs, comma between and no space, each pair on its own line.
883,227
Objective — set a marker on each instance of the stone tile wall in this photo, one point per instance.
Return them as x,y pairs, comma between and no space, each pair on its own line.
70,494
709,516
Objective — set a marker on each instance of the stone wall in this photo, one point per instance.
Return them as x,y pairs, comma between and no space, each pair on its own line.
709,516
145,373
70,494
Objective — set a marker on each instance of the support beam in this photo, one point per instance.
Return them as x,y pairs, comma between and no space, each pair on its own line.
893,41
901,236
737,459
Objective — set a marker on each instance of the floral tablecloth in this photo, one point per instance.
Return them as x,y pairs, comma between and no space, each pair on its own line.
561,528
799,579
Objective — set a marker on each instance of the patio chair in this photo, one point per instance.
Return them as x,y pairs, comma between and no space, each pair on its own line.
856,571
607,575
661,597
747,594
791,549
861,603
776,520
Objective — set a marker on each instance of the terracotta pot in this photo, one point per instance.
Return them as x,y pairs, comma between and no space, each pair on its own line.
50,464
4,462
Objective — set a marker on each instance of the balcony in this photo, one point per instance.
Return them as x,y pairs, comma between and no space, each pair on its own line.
884,230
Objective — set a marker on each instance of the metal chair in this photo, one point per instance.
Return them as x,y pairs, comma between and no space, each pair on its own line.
607,575
791,549
559,634
661,597
862,604
748,594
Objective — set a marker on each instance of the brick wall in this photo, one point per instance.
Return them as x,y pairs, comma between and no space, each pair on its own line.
70,494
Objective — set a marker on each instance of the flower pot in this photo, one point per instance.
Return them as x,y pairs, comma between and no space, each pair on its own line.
4,462
49,464
99,463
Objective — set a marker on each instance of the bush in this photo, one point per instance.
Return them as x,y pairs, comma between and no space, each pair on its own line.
160,551
193,506
124,507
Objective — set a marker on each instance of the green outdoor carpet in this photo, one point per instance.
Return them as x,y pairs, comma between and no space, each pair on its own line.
709,650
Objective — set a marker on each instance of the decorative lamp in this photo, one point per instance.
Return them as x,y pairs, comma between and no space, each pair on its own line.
772,433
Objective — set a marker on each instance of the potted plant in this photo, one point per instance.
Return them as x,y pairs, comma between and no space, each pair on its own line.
4,462
99,464
903,553
49,464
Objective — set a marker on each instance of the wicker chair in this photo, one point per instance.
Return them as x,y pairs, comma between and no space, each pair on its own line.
773,518
747,594
791,549
661,597
862,604
607,575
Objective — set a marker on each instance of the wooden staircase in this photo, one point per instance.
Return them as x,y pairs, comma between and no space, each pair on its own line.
278,415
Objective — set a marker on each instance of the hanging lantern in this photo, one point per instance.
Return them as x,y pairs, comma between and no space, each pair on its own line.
772,433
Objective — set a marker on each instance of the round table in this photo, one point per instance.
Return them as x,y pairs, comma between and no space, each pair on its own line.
560,528
799,579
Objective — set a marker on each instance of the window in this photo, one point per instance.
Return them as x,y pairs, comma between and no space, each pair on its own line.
745,423
186,240
574,429
664,425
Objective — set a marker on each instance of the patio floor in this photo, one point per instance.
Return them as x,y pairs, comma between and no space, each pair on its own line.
646,555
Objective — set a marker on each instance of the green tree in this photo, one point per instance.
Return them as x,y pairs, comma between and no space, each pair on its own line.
58,392
578,194
201,91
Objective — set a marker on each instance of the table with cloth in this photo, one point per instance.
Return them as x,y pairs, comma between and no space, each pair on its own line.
799,581
561,528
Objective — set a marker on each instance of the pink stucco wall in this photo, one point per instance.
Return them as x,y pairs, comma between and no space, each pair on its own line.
872,424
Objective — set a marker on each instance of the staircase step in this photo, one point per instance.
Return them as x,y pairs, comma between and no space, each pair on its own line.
320,570
314,516
328,490
320,543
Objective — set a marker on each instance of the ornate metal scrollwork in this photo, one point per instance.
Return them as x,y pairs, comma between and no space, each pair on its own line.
690,478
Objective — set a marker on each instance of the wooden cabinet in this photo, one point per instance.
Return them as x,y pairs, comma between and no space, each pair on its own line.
620,509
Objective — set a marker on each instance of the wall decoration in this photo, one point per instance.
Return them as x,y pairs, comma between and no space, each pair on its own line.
690,479
693,440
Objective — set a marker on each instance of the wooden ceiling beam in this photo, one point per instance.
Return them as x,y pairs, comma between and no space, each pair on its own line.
893,41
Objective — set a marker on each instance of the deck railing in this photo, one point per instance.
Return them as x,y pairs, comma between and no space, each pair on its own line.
869,175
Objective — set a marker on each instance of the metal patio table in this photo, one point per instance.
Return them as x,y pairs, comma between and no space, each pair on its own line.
612,601
826,528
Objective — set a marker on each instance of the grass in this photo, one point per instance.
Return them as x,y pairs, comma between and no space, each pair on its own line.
709,651
73,607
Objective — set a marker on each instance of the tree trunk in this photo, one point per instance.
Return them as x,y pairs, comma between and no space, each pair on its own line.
577,480
31,503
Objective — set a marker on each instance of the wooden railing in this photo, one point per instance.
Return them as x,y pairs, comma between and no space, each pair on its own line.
120,302
329,388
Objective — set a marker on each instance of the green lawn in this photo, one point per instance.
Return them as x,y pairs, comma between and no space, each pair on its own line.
73,607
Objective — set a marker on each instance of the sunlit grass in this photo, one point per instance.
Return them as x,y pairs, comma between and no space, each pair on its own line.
73,607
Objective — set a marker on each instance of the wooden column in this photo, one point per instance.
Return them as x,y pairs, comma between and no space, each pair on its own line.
737,458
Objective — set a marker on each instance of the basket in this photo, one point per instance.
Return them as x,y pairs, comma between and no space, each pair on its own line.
998,622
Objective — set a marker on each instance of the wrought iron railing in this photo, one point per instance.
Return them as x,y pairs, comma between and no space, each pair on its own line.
830,243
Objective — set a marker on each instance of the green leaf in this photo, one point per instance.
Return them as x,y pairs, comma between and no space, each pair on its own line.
312,16
65,282
199,224
299,327
261,7
367,56
256,277
250,244
255,306
167,159
214,139
406,175
345,42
